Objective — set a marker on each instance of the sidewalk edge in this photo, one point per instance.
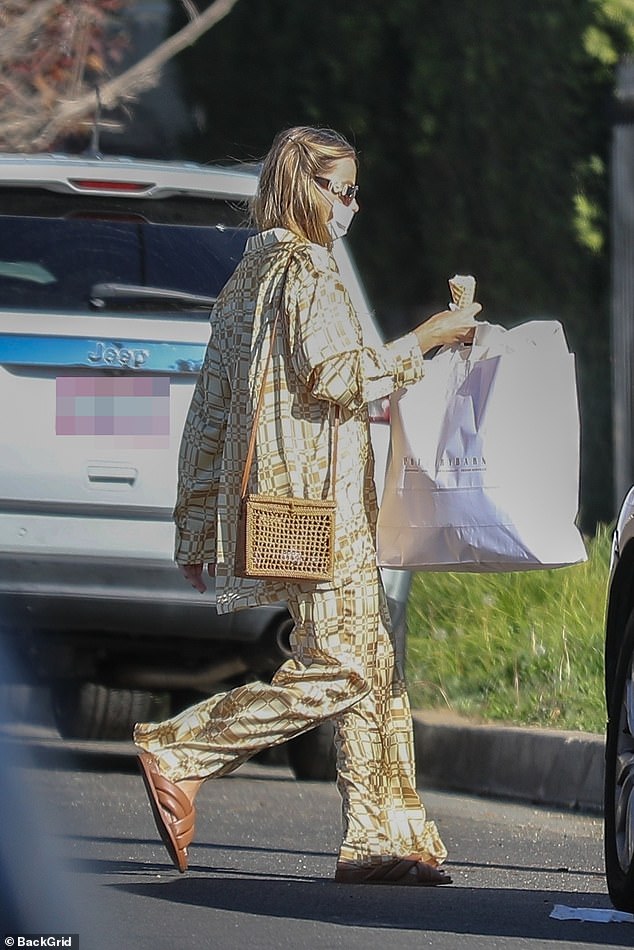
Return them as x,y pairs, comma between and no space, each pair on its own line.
543,766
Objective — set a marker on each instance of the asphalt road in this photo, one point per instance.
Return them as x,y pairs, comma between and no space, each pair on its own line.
262,863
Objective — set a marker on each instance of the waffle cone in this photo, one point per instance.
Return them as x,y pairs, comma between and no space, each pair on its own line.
462,289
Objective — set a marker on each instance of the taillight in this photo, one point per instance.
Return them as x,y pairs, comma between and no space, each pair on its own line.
122,187
379,411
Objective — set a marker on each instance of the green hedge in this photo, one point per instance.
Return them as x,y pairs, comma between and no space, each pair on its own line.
484,130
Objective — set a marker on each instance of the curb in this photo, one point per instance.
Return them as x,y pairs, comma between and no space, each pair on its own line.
543,766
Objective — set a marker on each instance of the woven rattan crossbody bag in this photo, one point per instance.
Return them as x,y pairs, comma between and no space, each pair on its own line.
285,537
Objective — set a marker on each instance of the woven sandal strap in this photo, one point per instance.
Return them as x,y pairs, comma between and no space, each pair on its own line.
172,798
393,870
183,830
181,823
415,867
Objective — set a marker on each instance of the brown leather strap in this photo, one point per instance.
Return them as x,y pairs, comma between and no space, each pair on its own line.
256,415
251,449
335,446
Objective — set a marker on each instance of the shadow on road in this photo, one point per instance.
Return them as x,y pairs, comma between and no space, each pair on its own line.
482,911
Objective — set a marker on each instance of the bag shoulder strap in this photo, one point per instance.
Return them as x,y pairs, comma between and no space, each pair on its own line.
256,415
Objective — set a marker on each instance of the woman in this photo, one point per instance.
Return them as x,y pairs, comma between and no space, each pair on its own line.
343,660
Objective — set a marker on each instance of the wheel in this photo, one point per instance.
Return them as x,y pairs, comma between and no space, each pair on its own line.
312,755
619,778
94,711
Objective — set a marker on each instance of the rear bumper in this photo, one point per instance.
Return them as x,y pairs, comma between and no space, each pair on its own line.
128,597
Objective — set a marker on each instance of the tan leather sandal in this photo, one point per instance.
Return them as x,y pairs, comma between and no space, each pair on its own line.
174,814
410,870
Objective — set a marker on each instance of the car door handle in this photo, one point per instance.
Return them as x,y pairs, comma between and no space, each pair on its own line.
119,475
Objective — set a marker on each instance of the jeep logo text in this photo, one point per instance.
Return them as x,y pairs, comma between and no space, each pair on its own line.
107,354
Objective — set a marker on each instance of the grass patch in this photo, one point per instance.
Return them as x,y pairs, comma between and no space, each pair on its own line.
521,648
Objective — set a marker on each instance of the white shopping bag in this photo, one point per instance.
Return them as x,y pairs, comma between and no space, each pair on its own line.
484,460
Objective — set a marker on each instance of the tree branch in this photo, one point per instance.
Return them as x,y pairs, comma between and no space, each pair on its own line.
23,28
190,9
136,78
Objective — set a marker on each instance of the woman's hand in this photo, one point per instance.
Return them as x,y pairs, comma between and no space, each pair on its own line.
447,327
193,574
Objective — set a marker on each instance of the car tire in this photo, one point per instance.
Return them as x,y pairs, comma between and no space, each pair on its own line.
619,778
312,755
94,711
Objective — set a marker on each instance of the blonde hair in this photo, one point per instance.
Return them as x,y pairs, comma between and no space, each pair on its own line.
287,195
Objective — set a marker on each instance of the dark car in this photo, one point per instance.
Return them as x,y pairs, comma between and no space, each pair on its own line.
619,691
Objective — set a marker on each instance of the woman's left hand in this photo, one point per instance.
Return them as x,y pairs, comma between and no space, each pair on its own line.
448,327
193,574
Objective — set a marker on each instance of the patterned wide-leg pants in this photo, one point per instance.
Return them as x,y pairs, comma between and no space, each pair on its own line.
342,669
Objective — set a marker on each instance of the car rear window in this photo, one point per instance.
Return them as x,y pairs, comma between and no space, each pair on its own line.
55,248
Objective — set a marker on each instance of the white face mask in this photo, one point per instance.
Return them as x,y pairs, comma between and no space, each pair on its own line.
341,219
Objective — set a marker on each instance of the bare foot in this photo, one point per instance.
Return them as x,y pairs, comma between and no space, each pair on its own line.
191,787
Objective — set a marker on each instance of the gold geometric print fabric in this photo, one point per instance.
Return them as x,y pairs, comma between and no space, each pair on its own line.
343,669
318,359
